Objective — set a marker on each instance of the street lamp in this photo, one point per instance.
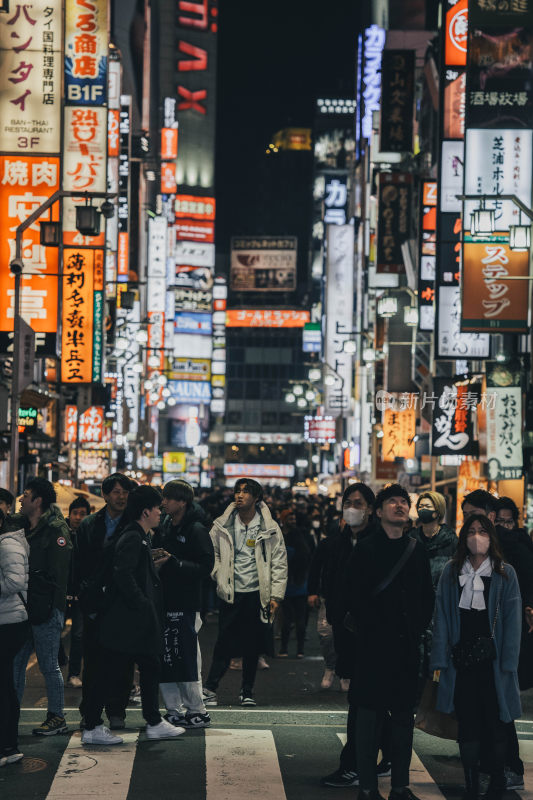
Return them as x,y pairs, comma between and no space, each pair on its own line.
387,306
519,238
290,397
482,220
315,374
298,390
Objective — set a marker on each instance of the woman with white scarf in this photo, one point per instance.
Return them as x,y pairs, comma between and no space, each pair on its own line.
476,644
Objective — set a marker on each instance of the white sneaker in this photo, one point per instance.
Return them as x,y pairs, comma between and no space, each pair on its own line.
163,730
262,663
100,735
74,682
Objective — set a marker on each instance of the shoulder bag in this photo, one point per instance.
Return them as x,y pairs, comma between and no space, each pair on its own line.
478,650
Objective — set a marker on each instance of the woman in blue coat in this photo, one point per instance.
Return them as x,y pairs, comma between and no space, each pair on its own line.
476,644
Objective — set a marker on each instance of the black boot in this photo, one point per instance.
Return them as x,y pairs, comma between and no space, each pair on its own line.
471,791
497,786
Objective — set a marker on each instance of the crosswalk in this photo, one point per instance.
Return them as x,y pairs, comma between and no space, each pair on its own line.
246,754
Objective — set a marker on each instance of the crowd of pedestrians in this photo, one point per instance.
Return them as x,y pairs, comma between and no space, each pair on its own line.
400,598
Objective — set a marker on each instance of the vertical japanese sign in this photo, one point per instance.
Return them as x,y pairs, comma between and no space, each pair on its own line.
504,422
218,364
25,183
157,271
490,302
113,152
335,199
454,416
82,311
371,77
30,77
399,430
397,101
91,424
123,255
427,256
86,38
339,315
394,215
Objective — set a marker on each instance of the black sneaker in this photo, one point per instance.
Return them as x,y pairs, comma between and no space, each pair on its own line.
178,720
196,720
340,779
405,794
513,780
52,725
373,794
246,698
383,768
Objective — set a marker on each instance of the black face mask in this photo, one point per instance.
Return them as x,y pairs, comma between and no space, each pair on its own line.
426,515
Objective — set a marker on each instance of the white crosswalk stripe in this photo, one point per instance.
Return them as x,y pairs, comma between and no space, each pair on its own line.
85,773
242,764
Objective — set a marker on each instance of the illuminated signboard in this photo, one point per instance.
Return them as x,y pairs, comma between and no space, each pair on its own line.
82,316
373,48
195,207
339,314
265,264
169,144
427,271
27,418
244,437
321,430
453,344
123,258
399,429
267,318
259,470
91,424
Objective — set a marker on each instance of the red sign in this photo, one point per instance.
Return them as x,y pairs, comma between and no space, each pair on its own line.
456,34
267,318
91,424
191,230
123,256
113,140
194,207
320,429
168,178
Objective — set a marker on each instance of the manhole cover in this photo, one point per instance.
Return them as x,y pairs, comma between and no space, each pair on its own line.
33,764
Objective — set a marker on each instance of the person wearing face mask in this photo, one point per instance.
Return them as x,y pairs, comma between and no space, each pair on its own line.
476,645
440,543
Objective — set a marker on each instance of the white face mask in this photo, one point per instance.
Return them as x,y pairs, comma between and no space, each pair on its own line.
316,524
478,544
353,516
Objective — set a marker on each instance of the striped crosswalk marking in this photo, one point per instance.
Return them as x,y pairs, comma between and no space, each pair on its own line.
242,764
422,783
85,773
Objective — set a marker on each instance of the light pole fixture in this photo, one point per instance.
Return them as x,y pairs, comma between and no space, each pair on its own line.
329,380
519,238
349,346
315,374
298,390
387,306
290,397
482,220
410,316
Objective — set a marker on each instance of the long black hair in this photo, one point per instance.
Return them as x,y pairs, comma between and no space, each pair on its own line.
461,554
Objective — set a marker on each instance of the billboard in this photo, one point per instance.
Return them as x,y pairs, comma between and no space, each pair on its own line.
504,422
321,430
397,101
394,215
399,430
427,256
266,264
259,470
454,429
451,343
82,316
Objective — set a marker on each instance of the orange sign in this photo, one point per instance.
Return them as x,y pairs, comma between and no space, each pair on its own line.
168,178
123,270
193,207
456,34
91,424
169,144
267,318
399,429
469,479
113,126
489,302
191,230
454,106
77,316
25,183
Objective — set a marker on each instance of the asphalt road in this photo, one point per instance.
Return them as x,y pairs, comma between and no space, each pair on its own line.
277,751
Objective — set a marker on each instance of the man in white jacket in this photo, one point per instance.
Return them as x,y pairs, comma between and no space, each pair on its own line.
251,576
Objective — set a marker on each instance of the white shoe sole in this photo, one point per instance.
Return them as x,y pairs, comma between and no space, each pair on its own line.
102,743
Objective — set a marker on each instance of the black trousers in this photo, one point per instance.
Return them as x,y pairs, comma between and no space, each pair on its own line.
12,637
348,759
368,735
239,634
294,613
112,664
119,687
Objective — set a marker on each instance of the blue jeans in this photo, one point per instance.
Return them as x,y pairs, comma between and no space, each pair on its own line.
45,640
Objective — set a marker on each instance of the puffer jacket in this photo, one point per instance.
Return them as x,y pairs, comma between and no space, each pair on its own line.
270,557
14,574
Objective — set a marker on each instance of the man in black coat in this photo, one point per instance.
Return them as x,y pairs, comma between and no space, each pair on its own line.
94,547
516,550
184,536
131,628
391,601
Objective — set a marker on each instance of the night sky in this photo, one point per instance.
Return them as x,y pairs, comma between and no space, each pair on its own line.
273,62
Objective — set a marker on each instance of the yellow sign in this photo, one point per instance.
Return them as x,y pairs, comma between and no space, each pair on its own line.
174,462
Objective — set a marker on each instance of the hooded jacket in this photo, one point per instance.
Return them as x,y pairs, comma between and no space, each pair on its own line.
14,574
270,557
439,548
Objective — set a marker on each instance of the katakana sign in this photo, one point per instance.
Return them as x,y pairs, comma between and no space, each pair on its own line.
86,44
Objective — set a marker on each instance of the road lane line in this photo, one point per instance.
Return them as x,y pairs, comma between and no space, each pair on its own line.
85,773
242,764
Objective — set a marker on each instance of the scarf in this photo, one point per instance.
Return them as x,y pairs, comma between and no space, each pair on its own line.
470,579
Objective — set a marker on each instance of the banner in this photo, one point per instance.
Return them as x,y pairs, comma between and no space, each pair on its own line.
454,417
504,422
489,301
82,316
399,430
394,214
397,101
